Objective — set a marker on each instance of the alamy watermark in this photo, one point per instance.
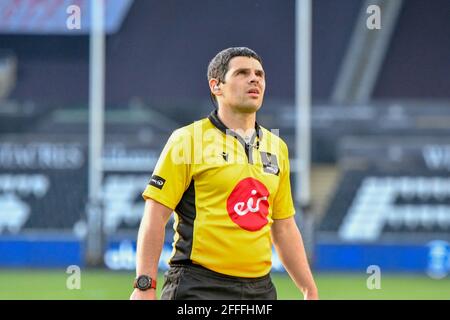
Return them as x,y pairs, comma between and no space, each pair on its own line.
73,281
209,146
73,21
374,280
373,22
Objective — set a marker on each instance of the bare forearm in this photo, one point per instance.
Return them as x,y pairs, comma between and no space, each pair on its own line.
290,248
149,245
150,241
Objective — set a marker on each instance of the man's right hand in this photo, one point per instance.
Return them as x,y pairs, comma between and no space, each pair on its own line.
149,294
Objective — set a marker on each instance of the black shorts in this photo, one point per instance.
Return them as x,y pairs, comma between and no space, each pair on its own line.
193,282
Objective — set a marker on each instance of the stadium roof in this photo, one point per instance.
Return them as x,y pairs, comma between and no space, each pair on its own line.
41,17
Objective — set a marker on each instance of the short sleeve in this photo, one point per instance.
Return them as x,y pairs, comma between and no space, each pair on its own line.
283,206
172,174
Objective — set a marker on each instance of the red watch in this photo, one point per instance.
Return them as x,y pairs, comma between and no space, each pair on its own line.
144,283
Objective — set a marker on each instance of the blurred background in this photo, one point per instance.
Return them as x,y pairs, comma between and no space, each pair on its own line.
375,94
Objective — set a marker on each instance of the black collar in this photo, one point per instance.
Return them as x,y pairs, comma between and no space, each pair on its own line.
214,118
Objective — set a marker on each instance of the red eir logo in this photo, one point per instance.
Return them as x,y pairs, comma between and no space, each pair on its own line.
248,204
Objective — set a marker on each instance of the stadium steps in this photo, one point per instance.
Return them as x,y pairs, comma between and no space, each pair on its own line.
323,183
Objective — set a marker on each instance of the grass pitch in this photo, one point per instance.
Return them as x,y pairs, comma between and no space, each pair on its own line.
103,284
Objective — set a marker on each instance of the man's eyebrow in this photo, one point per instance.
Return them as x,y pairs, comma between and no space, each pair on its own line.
260,71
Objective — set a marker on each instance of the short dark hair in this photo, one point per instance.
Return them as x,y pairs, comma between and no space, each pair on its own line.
218,66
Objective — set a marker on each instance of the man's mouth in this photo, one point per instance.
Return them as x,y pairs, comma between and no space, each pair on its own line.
253,92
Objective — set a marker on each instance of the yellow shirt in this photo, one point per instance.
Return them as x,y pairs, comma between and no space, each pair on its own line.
225,194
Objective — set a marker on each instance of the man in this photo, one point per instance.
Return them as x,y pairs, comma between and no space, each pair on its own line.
227,180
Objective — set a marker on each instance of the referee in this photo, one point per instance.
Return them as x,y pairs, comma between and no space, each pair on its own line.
227,180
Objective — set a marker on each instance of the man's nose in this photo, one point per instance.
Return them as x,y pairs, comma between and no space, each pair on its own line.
254,78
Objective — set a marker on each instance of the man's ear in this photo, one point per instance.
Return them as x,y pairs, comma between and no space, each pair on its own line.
214,87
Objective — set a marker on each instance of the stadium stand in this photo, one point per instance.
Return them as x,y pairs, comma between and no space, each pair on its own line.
156,84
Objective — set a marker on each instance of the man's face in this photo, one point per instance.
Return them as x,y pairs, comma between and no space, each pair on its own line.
244,85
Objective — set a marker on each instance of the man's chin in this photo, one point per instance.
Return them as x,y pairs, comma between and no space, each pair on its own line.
250,108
